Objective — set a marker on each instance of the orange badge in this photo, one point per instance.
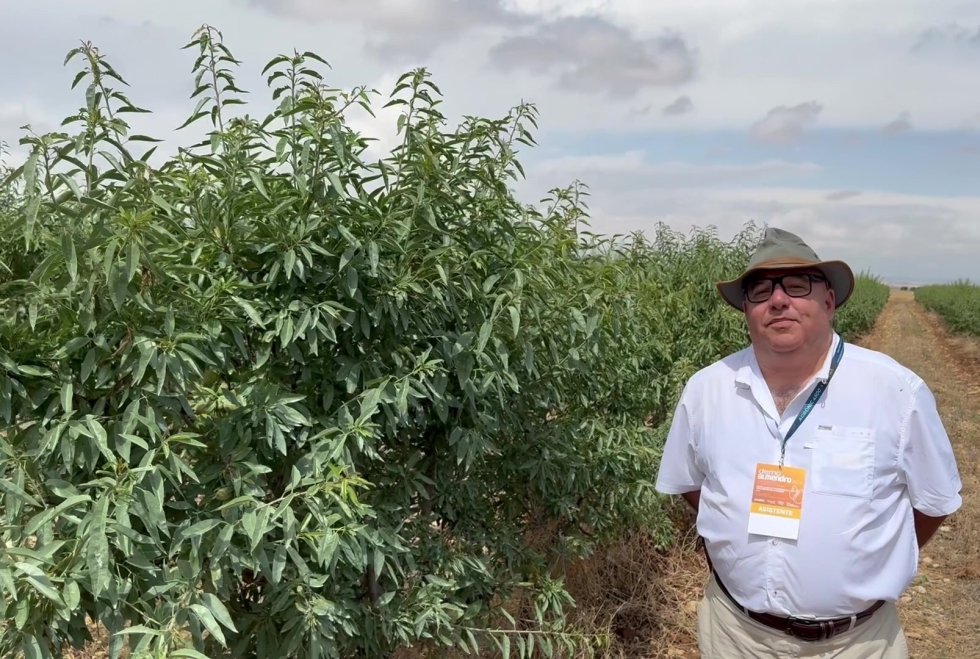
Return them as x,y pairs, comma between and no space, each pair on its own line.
777,501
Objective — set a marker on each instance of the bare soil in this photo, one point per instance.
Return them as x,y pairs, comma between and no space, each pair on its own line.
940,610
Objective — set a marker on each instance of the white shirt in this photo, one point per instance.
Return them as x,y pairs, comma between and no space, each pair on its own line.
856,541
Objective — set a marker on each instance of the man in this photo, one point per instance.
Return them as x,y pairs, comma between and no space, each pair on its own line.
818,470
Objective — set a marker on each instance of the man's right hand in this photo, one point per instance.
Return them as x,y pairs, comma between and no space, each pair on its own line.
693,499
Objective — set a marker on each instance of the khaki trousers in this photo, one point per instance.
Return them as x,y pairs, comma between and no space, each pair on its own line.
724,632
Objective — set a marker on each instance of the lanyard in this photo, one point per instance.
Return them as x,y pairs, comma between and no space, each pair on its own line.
812,400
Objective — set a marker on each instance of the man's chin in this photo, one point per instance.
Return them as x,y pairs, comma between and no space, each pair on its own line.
784,339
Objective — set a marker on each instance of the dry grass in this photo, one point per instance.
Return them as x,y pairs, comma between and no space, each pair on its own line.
97,649
641,599
646,598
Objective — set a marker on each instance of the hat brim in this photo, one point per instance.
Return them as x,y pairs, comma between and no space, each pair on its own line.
838,273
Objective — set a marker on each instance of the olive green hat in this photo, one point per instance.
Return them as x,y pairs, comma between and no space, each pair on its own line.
782,250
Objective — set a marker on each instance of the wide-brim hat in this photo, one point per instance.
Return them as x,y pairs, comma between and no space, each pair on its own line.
782,250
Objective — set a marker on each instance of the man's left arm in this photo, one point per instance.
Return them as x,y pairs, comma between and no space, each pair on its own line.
927,466
926,526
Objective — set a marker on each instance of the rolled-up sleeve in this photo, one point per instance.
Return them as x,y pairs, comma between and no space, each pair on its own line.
679,471
926,463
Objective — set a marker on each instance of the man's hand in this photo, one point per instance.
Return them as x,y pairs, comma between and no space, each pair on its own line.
925,526
693,499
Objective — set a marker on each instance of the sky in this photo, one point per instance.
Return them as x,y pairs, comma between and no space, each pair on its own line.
855,124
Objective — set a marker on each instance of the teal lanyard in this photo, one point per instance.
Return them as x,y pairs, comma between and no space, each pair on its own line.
812,400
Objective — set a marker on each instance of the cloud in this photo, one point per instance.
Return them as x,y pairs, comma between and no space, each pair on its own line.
682,105
950,33
899,237
13,118
901,125
840,195
784,125
629,171
588,54
398,29
380,126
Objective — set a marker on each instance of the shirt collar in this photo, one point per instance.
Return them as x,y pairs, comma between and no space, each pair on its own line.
750,372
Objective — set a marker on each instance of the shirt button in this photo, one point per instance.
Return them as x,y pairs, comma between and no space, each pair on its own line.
774,542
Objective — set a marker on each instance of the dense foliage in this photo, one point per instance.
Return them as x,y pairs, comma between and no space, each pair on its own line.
958,304
858,316
271,399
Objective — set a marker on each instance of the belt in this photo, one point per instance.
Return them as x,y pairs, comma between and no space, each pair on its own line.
804,629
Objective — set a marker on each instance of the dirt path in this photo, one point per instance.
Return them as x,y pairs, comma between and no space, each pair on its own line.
940,610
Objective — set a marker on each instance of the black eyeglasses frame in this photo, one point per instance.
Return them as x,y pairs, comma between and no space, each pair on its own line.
778,281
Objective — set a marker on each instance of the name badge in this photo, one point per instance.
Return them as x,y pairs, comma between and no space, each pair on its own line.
777,501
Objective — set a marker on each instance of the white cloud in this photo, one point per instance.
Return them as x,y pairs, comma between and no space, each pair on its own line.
613,174
600,72
838,195
900,237
950,33
589,54
785,125
682,105
902,124
382,128
405,28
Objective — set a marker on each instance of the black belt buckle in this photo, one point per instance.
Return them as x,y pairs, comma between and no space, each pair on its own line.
826,629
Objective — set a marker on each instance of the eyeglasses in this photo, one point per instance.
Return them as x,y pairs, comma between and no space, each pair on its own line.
795,285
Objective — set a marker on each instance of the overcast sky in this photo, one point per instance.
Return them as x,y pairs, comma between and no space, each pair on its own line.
854,123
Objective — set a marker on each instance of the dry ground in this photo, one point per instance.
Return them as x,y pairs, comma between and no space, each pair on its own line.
646,599
940,610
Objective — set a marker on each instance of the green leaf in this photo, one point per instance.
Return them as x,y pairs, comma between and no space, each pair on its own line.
187,653
223,542
97,551
278,563
118,286
13,490
337,185
257,180
351,281
31,648
141,629
515,320
34,371
132,261
40,582
485,331
204,615
249,311
88,366
7,581
199,529
72,595
218,610
43,518
101,439
67,392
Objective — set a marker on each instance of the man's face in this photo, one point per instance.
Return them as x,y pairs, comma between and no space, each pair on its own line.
788,320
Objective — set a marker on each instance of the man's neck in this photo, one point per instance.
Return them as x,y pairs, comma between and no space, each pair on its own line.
787,373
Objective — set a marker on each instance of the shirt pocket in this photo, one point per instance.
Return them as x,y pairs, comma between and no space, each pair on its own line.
842,461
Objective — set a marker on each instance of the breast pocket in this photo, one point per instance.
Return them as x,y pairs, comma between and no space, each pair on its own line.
843,461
